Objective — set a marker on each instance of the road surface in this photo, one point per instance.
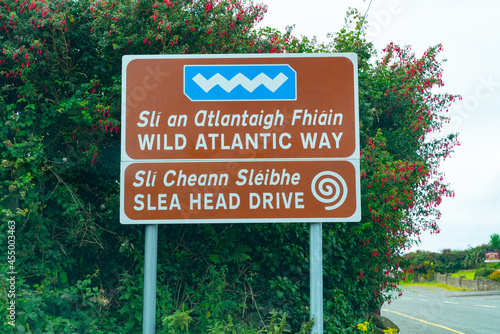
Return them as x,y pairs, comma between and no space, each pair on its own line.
432,310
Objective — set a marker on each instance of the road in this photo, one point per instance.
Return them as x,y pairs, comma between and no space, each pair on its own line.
433,310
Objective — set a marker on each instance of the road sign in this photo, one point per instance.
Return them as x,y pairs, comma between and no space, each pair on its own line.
240,138
254,191
492,256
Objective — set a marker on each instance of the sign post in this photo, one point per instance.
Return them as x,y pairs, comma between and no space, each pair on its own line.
150,265
239,139
491,256
316,275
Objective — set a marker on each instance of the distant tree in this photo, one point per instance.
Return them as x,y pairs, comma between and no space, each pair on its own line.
495,241
474,257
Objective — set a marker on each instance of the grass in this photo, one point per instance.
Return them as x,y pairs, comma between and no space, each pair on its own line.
468,274
433,285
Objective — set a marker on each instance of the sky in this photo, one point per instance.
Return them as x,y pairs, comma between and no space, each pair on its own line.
469,32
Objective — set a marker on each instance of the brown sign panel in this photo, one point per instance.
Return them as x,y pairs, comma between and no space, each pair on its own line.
491,256
243,107
240,191
240,138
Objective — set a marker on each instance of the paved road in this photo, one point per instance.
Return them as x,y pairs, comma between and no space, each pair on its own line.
432,310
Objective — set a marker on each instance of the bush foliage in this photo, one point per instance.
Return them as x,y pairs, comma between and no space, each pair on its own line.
495,275
79,270
449,261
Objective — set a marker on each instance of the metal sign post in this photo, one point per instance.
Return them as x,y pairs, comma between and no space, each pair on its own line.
150,264
316,275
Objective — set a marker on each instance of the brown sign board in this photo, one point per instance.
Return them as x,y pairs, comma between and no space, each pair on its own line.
214,125
491,256
163,121
242,191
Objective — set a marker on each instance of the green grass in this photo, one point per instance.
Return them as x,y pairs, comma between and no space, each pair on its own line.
434,285
468,274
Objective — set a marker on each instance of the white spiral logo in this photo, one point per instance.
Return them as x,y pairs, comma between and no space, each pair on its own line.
329,188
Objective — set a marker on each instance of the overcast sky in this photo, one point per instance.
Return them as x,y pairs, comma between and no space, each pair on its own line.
469,32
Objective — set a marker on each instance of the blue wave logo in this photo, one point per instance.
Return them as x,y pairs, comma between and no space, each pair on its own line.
240,83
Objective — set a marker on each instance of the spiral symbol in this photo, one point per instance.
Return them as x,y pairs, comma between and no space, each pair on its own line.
329,188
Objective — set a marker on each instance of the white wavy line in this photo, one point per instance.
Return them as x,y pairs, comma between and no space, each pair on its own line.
240,79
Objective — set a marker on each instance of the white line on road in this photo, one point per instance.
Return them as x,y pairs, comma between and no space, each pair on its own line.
425,322
489,306
451,303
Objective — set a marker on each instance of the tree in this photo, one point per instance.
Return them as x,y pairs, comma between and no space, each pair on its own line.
495,241
402,188
79,269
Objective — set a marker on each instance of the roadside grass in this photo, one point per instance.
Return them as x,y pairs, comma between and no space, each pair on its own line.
433,285
469,274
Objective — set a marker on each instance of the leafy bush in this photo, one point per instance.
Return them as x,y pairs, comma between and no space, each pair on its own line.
482,272
495,275
447,260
